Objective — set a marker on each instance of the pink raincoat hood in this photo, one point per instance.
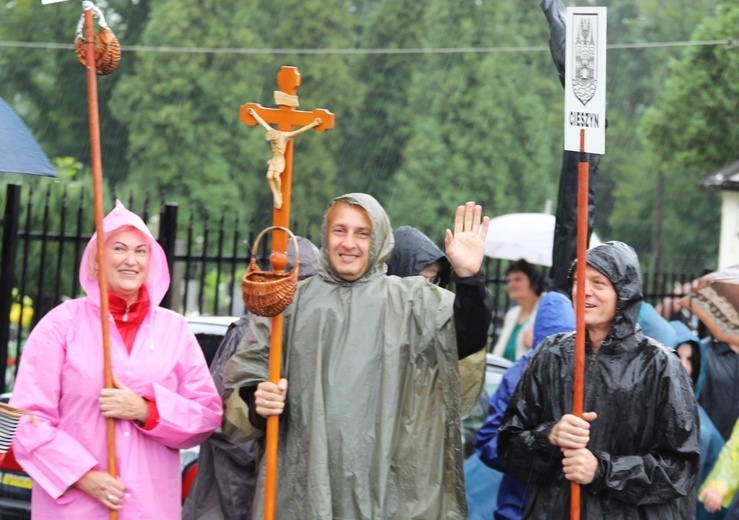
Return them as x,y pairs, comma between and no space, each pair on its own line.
157,282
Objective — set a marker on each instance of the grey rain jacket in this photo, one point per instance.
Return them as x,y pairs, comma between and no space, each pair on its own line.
371,428
227,470
646,434
412,252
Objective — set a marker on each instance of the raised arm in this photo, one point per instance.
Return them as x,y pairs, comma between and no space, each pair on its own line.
316,122
472,303
465,246
261,121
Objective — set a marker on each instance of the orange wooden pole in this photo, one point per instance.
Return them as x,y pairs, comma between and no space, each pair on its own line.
582,239
97,197
280,217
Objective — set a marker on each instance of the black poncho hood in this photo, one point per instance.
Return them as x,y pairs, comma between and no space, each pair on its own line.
413,251
620,264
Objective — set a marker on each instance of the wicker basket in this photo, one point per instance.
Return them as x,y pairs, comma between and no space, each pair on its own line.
267,293
107,51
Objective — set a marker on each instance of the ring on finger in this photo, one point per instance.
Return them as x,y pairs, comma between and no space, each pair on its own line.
110,498
266,403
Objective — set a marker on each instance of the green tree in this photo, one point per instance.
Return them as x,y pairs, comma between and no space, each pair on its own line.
378,134
47,86
630,195
693,128
482,128
187,140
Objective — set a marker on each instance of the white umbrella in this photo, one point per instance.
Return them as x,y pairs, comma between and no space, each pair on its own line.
524,235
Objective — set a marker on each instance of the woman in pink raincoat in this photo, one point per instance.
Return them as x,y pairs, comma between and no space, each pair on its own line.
164,399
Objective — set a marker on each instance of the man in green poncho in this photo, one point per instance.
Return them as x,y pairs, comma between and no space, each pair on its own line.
370,426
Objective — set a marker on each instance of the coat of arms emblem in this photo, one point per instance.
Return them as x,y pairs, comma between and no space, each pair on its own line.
585,64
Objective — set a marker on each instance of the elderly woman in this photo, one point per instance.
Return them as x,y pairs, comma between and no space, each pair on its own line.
164,397
525,285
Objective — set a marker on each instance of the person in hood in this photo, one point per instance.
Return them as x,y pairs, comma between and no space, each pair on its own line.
720,389
655,326
227,470
164,399
635,450
688,348
415,254
370,424
691,352
722,484
555,315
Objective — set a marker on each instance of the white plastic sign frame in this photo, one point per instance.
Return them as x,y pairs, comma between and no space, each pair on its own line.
585,79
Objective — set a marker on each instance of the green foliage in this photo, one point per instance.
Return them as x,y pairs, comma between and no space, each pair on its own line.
480,131
693,129
422,132
47,87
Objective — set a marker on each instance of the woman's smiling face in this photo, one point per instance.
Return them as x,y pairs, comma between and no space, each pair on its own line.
127,260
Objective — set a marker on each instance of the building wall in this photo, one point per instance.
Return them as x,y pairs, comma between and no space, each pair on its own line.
728,252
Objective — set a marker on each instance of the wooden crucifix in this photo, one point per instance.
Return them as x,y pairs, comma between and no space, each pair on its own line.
279,176
286,117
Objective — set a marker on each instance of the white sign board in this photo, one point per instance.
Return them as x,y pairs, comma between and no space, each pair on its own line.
585,79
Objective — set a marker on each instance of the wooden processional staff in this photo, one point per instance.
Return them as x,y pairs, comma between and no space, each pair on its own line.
583,171
279,177
100,54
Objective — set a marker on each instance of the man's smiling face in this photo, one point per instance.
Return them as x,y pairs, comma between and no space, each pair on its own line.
600,299
349,240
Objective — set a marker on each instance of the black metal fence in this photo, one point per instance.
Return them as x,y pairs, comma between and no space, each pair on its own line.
44,235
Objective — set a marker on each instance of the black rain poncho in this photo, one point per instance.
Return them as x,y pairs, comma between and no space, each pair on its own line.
371,428
412,252
646,434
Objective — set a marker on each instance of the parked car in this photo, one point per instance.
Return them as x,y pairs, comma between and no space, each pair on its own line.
15,484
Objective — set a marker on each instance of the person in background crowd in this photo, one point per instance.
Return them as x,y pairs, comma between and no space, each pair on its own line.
415,254
555,315
655,326
164,399
722,484
227,471
634,451
371,362
691,352
525,287
720,393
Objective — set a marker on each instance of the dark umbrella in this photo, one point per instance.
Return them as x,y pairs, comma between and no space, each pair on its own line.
19,151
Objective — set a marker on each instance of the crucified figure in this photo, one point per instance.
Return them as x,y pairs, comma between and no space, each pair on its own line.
278,141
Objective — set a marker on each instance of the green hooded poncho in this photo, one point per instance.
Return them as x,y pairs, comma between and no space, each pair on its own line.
371,428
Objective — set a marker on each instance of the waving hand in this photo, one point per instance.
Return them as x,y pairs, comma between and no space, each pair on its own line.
466,245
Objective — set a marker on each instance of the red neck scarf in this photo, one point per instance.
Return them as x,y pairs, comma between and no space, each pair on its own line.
128,317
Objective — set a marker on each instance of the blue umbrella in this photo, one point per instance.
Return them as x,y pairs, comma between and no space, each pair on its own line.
19,151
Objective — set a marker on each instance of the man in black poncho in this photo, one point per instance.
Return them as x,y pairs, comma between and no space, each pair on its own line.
635,450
